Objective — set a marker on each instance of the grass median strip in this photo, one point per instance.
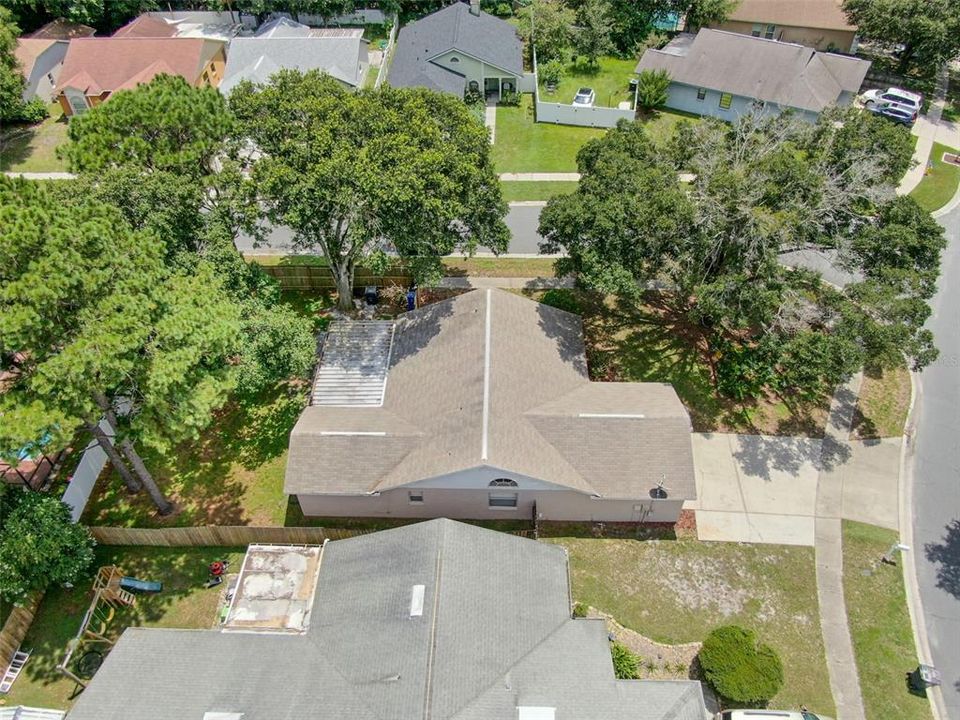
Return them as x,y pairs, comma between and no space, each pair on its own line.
879,624
518,191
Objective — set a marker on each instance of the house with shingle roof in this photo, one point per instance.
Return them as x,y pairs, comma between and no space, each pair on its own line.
726,75
438,620
285,44
480,406
94,68
820,24
458,48
61,29
40,61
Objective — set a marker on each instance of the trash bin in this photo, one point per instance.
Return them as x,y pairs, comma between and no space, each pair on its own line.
634,82
923,677
370,295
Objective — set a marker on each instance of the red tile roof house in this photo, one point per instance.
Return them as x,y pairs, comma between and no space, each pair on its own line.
94,68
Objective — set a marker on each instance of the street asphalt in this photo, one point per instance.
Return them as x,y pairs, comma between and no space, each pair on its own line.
522,221
936,473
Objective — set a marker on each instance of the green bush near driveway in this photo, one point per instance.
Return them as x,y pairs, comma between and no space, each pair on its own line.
739,667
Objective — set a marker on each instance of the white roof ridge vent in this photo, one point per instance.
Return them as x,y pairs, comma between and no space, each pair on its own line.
353,433
416,600
535,712
222,716
635,416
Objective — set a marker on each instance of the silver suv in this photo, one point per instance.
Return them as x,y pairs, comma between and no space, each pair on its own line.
897,97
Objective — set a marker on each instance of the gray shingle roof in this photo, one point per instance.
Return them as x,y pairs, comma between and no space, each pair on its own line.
783,73
257,58
495,633
545,418
454,27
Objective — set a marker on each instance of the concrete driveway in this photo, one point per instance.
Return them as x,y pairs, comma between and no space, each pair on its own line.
763,489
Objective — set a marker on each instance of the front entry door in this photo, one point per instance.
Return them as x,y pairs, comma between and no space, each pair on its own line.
491,87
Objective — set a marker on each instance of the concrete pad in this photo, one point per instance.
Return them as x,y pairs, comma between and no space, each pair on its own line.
755,528
871,482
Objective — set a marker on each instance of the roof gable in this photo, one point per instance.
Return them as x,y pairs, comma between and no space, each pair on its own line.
29,50
489,378
483,37
110,64
787,74
258,58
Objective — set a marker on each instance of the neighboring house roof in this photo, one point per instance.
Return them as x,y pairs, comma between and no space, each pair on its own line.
819,14
98,65
146,26
783,73
61,29
482,36
282,27
257,58
29,50
543,417
495,633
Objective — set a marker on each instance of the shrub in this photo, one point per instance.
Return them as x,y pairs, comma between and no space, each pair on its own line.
740,668
550,73
510,98
579,610
562,299
503,10
626,665
34,111
652,88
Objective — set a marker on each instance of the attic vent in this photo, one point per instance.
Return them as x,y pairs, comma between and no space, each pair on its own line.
416,601
533,712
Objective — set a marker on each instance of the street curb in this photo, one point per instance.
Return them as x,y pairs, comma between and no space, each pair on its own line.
951,205
914,601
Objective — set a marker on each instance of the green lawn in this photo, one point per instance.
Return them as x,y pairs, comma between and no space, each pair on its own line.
609,79
184,603
883,403
879,625
523,145
499,267
535,190
33,149
940,185
371,77
677,591
233,475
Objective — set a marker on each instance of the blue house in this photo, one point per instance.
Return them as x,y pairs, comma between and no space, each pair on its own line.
726,75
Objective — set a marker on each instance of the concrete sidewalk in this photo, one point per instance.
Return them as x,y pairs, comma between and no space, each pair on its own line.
42,176
841,662
540,177
927,129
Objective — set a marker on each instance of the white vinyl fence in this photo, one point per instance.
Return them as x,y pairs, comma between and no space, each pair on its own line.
388,52
81,484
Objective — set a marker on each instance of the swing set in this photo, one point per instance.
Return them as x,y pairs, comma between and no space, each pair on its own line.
108,595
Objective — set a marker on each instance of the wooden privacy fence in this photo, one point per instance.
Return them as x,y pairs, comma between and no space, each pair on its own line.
15,629
220,535
317,277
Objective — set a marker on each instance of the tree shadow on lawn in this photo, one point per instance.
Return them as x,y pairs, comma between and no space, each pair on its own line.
207,479
183,602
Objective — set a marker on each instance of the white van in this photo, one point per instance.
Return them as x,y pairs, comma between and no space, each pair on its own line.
769,715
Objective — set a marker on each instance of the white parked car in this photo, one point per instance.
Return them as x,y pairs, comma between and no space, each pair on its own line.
894,96
585,97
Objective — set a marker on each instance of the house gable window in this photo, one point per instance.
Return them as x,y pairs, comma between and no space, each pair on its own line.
454,59
726,100
757,29
771,29
416,497
503,482
701,94
503,501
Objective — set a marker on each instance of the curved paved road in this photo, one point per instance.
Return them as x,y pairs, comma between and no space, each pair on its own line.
936,476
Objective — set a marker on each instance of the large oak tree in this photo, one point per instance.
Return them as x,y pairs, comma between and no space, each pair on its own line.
362,175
